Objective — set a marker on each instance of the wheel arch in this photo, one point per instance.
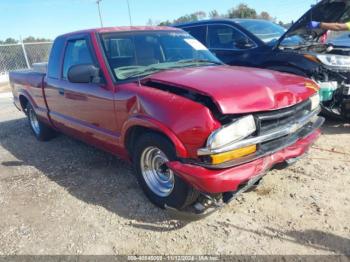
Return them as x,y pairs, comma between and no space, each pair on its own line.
23,100
137,126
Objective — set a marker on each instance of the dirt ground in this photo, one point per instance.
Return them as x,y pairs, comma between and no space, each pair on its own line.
64,197
4,88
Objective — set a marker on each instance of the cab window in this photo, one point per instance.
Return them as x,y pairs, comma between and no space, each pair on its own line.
227,37
198,32
77,53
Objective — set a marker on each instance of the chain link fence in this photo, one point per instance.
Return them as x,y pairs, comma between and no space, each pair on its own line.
23,55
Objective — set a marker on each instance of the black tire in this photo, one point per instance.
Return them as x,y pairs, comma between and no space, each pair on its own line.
182,194
41,131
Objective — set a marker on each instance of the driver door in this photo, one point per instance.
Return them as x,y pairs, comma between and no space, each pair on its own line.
83,110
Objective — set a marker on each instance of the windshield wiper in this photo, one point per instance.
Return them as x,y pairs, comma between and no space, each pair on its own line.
146,71
157,68
199,61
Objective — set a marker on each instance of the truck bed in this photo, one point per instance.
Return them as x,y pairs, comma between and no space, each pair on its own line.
27,84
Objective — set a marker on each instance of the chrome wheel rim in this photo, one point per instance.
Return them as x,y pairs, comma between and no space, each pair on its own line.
158,177
34,121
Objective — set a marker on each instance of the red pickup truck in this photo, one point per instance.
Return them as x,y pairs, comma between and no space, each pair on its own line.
198,132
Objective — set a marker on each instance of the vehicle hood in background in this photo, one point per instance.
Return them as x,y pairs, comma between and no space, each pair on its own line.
238,90
324,11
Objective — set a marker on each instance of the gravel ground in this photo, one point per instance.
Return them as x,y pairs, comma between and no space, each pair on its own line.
64,197
4,88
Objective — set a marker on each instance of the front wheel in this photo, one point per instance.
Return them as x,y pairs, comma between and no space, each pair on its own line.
41,131
159,183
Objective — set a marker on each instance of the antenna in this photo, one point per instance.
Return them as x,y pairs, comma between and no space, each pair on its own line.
133,39
99,11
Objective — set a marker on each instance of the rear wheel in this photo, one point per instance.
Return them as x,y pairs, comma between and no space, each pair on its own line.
159,183
41,131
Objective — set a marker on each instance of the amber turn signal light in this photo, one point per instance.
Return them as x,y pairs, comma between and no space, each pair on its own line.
231,155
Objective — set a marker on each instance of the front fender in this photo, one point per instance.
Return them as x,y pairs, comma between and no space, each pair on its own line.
150,123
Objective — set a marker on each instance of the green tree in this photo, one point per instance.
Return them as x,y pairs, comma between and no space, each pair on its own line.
242,11
10,41
32,39
165,23
214,14
186,18
265,15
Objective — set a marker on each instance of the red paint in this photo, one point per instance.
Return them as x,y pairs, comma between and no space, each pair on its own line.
227,180
238,90
122,29
103,115
100,59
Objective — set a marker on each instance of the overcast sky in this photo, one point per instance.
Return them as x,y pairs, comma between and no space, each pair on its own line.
49,18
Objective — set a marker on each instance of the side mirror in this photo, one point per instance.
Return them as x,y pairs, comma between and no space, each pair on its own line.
85,73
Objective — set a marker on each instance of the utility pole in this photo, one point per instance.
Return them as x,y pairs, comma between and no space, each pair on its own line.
99,11
24,52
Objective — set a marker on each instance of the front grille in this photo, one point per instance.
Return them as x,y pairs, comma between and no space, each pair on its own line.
268,121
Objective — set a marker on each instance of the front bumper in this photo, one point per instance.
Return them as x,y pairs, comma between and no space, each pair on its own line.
213,181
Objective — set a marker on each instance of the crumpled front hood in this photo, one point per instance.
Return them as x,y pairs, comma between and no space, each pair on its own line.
238,90
324,11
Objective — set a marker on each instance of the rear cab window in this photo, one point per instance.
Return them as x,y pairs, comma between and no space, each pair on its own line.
54,66
120,48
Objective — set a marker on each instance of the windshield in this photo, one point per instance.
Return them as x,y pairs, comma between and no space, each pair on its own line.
136,54
269,32
265,30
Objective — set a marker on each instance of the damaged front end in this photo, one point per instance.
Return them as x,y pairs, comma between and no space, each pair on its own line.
332,75
221,174
335,93
331,62
207,204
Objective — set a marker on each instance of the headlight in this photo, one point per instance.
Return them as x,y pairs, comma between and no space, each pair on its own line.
335,60
230,133
315,101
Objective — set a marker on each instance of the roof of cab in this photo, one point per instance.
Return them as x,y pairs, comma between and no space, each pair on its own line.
205,21
217,20
123,29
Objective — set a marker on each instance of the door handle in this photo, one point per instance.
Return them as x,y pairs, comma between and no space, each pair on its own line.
61,91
